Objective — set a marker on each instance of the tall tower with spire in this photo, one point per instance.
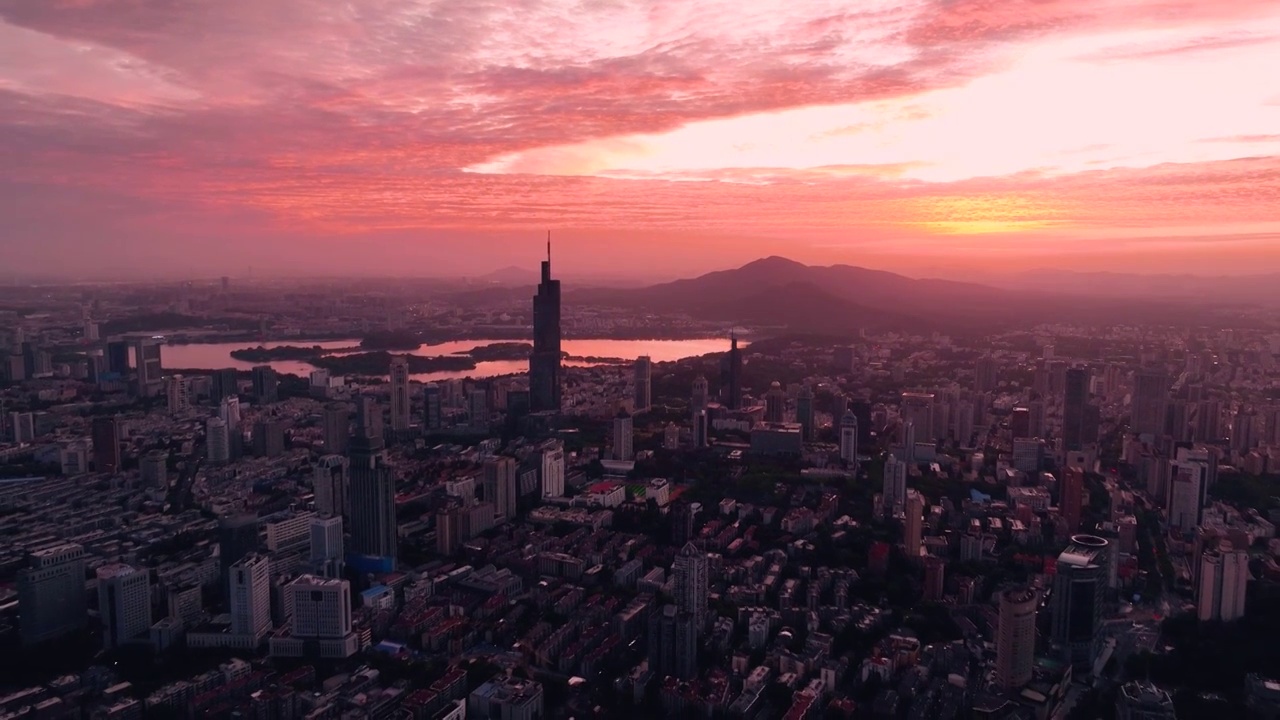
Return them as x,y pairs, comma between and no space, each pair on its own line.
544,361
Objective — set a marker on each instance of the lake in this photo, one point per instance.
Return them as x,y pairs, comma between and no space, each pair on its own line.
212,356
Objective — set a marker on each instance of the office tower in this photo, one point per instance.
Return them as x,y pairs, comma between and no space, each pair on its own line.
690,570
673,643
237,538
452,527
1016,637
701,438
506,698
622,436
934,577
106,444
268,438
1147,409
775,402
1020,423
327,557
229,411
154,469
371,488
701,395
74,458
368,420
909,441
500,488
1075,400
917,409
805,412
432,408
913,524
478,409
644,384
24,428
1244,431
1220,592
118,357
399,375
1035,418
1178,421
1078,588
250,592
544,360
124,603
963,420
337,428
178,393
731,376
1208,421
147,363
1186,493
1271,425
849,438
1071,497
318,385
266,386
51,601
217,441
225,383
321,618
681,523
893,493
986,374
329,484
1144,701
551,469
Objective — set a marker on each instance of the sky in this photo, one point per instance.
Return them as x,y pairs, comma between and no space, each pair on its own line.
661,138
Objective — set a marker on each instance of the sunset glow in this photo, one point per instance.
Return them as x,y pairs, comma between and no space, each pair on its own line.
176,137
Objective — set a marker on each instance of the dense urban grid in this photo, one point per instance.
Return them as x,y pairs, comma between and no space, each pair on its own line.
1051,521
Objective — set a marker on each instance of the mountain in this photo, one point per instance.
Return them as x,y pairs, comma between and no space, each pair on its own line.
510,275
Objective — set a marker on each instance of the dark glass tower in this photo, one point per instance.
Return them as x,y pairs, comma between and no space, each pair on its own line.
1075,411
544,361
731,375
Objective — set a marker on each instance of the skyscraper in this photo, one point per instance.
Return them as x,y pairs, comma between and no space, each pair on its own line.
326,551
775,402
986,374
1150,393
153,469
700,432
643,383
268,437
372,492
691,582
673,643
368,421
1075,401
266,385
893,493
337,428
934,576
500,488
178,393
51,601
849,438
237,538
805,412
224,383
106,444
217,441
321,619
1220,593
478,409
1078,588
399,374
250,593
913,524
147,364
329,485
1186,493
731,375
118,357
917,408
1072,497
1016,637
622,435
544,360
432,408
124,603
551,469
699,397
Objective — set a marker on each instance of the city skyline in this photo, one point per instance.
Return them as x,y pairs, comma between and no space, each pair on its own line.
931,137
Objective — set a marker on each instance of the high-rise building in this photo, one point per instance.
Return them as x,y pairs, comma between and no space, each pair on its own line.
118,357
644,384
250,592
327,556
849,438
805,412
266,385
1016,637
1244,431
399,375
701,394
1147,408
500,488
913,524
1071,497
1035,419
321,622
268,438
986,374
917,408
1079,585
154,469
51,599
691,582
1220,592
551,469
372,491
731,376
478,409
217,441
124,603
237,538
893,494
337,428
178,394
1020,423
1074,405
106,444
1271,425
909,442
329,484
148,365
673,643
681,523
544,360
1186,493
775,402
225,383
701,438
622,436
23,428
934,577
432,408
229,411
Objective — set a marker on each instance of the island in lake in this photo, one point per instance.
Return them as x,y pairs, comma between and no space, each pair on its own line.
262,354
500,351
391,340
378,363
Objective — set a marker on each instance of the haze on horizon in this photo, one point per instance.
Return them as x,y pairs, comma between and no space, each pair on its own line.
659,138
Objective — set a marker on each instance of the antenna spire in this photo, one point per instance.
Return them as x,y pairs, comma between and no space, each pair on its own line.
548,246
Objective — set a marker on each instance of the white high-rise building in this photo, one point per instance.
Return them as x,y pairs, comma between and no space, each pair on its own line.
217,440
623,436
691,581
51,600
849,438
1186,494
321,622
124,603
551,469
250,581
893,489
326,546
399,394
329,484
1224,577
229,411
